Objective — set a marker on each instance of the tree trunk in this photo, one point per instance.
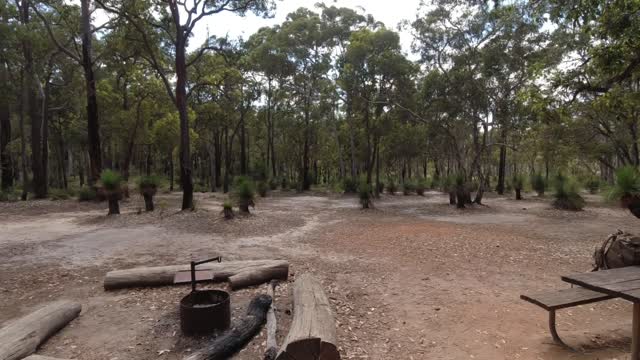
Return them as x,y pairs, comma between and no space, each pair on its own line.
312,334
165,275
93,125
148,202
21,337
171,172
272,325
502,163
259,276
243,143
518,194
6,166
114,205
234,339
23,138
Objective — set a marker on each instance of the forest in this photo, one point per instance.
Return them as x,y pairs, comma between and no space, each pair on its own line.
494,93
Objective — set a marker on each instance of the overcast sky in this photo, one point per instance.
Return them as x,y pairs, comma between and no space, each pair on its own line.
388,12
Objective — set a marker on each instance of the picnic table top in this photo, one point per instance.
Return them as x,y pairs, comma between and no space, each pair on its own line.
622,282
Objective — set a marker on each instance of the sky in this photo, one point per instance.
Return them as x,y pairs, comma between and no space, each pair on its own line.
388,12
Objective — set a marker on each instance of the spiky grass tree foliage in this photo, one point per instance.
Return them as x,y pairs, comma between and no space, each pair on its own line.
392,187
273,184
408,187
421,186
349,185
87,194
112,186
227,210
263,188
566,194
538,184
364,193
148,187
593,185
518,184
626,190
244,193
449,186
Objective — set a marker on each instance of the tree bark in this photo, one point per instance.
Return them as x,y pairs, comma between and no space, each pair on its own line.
164,275
93,125
312,335
233,340
6,166
21,337
272,324
258,276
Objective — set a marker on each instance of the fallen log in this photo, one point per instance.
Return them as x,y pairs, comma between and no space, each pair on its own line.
164,275
21,337
312,335
272,326
234,339
40,357
258,276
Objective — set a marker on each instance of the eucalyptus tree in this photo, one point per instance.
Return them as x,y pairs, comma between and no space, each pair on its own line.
306,45
373,72
164,29
73,24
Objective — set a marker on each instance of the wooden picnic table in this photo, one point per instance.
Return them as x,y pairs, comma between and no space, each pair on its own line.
622,282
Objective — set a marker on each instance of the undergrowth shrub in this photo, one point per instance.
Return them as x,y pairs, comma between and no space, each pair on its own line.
538,184
87,194
392,187
349,185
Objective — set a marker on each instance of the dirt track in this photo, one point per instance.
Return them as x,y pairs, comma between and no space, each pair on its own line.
412,279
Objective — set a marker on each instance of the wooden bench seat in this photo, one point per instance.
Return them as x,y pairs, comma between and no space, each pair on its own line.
560,299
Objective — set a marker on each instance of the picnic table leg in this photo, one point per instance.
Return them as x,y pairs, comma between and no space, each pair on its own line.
635,336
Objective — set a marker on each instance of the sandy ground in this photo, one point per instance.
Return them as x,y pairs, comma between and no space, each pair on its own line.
412,279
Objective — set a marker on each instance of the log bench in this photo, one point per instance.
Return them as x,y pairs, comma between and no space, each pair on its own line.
561,299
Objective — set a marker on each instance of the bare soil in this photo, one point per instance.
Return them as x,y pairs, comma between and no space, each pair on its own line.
413,278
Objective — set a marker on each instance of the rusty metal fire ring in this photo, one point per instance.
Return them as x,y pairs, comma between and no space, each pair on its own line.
205,311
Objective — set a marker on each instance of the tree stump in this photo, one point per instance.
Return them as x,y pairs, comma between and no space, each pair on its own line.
312,335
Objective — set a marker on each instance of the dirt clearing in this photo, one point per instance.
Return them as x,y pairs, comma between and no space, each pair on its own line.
412,279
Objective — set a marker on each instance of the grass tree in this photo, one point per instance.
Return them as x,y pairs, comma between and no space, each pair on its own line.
148,187
227,210
626,189
244,193
567,195
593,185
392,187
518,184
364,193
421,186
461,193
112,186
263,188
408,187
538,184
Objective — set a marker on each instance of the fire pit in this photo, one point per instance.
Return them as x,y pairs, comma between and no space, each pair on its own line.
204,311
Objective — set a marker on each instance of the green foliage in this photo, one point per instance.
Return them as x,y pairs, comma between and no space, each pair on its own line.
273,184
60,194
593,185
244,192
111,181
538,184
263,188
364,193
408,187
148,183
566,194
350,185
10,195
421,186
87,194
392,187
627,184
517,182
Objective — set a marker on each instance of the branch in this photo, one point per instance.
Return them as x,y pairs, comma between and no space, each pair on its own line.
53,38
